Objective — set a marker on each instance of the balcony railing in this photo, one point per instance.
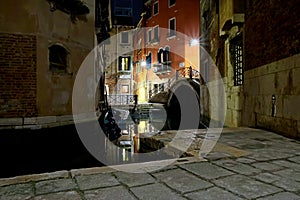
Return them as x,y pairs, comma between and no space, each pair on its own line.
120,99
162,69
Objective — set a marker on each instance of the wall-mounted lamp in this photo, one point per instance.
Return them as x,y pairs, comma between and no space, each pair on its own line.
273,105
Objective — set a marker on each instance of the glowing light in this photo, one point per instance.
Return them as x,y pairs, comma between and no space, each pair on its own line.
143,63
194,42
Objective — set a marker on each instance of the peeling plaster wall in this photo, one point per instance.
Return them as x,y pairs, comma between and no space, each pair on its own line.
53,92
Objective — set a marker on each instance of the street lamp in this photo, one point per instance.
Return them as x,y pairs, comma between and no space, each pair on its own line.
194,42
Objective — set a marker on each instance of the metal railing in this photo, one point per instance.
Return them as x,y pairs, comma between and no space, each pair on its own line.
120,99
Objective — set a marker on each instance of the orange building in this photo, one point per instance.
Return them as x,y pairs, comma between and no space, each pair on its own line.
166,42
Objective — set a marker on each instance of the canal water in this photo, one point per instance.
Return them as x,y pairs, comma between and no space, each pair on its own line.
60,148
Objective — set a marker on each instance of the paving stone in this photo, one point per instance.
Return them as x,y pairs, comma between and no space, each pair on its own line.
16,192
287,164
245,160
212,194
267,177
282,196
295,159
96,181
182,181
246,186
206,170
237,167
267,166
56,185
134,179
112,193
288,184
289,173
155,191
70,195
217,156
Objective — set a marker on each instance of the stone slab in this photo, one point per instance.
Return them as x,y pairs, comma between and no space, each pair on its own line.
134,179
11,121
266,166
17,192
33,177
211,194
112,193
206,170
70,195
245,186
182,181
155,191
281,196
88,182
57,185
237,167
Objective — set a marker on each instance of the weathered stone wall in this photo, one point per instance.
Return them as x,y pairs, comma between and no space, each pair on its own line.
272,31
18,75
280,78
28,29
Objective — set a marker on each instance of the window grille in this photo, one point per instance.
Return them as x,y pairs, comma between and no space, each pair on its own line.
236,50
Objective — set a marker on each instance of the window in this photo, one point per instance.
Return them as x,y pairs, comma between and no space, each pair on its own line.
160,56
148,61
121,11
124,63
172,27
125,37
236,51
166,55
172,2
58,58
149,35
155,8
155,34
125,89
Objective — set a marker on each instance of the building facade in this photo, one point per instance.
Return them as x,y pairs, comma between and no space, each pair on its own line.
163,44
119,50
43,44
254,46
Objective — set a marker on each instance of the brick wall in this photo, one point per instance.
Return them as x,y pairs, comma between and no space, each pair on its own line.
272,31
17,75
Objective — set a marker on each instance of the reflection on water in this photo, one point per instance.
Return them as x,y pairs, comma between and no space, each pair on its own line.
131,146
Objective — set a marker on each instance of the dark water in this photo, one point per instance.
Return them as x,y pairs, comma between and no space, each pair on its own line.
46,150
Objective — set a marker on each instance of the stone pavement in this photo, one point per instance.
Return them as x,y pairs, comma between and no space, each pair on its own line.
245,164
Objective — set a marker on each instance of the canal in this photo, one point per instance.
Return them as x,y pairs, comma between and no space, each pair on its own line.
60,148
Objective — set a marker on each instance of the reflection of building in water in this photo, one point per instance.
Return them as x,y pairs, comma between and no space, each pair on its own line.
129,143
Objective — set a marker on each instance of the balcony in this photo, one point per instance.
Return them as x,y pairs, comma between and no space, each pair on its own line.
161,69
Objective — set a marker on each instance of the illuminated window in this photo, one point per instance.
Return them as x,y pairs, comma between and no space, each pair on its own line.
124,63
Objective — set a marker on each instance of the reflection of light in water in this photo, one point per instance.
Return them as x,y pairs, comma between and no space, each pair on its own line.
129,144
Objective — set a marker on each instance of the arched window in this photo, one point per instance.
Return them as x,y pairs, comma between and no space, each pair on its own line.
167,54
58,58
160,56
149,60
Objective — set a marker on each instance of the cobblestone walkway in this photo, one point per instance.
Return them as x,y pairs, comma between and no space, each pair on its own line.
270,170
